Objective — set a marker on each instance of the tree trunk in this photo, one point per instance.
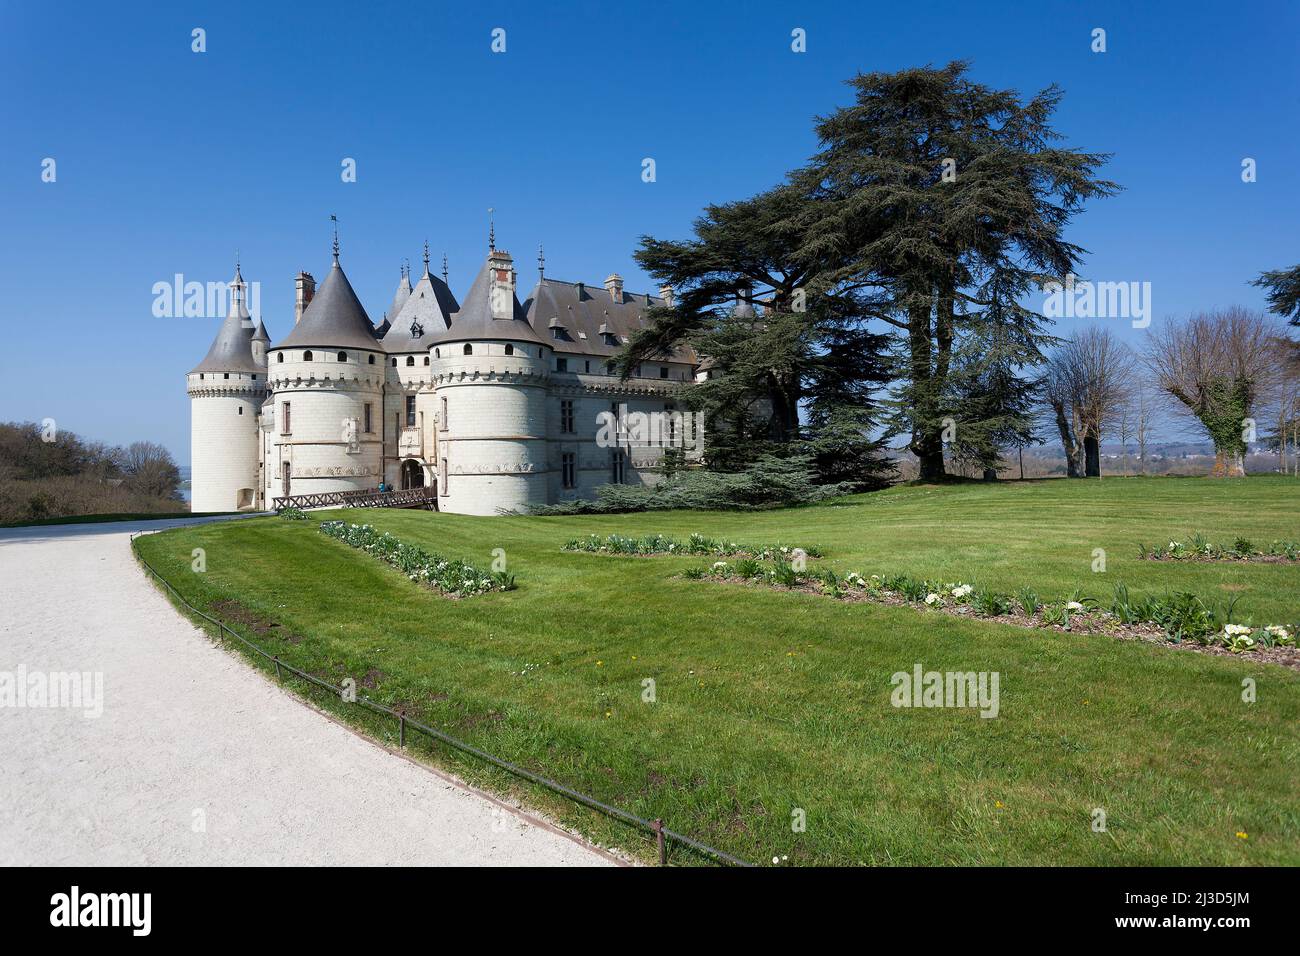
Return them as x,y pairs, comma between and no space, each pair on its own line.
1091,457
1067,442
1228,463
930,465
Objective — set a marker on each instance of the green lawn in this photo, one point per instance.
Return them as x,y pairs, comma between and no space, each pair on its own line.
770,702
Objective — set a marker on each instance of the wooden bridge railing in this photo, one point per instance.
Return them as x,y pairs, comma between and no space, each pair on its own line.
373,498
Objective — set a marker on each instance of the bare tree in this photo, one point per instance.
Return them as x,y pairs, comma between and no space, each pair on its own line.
1088,380
150,469
1141,402
1215,365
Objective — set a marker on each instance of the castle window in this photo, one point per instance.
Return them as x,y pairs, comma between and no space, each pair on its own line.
437,353
241,409
510,349
343,356
442,413
410,411
618,466
372,360
394,361
279,356
663,371
284,418
469,349
306,356
442,476
588,365
561,365
426,360
670,413
567,469
410,360
369,424
225,375
609,368
200,376
566,416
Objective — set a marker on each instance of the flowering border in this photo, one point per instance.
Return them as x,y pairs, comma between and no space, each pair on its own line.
448,575
1179,619
1200,549
696,544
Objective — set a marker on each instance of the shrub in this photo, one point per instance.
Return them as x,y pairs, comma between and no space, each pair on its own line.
769,482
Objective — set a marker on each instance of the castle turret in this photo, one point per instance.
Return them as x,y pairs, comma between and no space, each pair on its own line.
326,379
490,372
226,392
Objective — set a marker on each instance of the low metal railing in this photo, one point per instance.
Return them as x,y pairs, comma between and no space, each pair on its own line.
663,836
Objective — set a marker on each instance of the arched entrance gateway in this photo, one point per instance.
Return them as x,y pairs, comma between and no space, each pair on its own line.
412,474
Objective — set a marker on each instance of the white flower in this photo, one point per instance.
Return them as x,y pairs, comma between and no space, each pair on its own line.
1278,631
932,598
1073,606
961,590
1233,630
719,565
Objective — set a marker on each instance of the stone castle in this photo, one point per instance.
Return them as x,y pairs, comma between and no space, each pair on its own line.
491,404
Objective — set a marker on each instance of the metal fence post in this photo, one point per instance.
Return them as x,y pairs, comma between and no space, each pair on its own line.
401,730
659,839
278,675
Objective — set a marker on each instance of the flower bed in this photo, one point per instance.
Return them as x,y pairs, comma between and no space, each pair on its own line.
696,544
448,575
1180,618
1199,549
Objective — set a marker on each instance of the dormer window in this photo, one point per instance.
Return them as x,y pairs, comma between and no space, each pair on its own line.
306,356
410,361
469,349
510,349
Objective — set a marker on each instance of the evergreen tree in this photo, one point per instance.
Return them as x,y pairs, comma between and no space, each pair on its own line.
1283,287
924,190
797,377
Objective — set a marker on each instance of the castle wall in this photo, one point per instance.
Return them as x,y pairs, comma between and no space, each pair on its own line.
493,433
223,440
325,443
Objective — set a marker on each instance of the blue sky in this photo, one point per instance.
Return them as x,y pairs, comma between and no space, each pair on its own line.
169,160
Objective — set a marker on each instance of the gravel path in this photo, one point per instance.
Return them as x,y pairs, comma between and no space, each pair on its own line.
196,758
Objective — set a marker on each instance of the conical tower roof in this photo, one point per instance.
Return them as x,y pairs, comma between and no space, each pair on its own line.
474,318
232,349
334,319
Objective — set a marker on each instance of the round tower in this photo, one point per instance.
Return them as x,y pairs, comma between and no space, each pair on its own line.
226,392
490,375
326,379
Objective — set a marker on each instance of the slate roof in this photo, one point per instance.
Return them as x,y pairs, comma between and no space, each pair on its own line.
473,320
430,305
334,319
232,349
584,312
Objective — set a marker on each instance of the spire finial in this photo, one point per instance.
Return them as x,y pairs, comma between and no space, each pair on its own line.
426,257
238,277
541,262
444,268
335,220
492,230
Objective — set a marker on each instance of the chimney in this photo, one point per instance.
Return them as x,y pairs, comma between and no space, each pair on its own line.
304,287
666,293
614,283
501,268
